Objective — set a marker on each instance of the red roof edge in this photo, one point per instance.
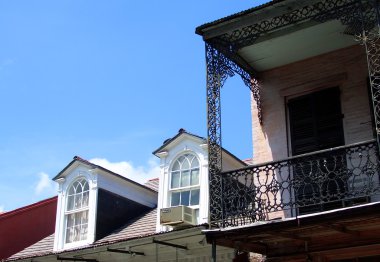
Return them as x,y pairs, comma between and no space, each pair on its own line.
28,207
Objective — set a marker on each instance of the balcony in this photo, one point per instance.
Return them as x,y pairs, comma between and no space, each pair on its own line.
310,183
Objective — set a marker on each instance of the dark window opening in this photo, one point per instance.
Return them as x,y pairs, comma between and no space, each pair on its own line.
316,124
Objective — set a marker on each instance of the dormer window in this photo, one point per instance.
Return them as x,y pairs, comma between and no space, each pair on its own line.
89,197
184,182
76,212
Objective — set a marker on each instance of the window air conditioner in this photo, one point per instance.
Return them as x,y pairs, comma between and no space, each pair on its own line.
178,216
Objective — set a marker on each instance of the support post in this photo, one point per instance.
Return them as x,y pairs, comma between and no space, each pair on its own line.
370,37
213,251
214,135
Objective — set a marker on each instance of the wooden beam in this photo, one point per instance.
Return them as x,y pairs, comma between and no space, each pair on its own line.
256,247
169,244
290,236
76,259
342,248
125,251
342,229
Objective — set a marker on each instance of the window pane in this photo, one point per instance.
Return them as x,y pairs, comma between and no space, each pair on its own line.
194,177
85,199
85,186
70,203
176,166
175,179
83,232
70,228
194,197
77,201
185,163
185,195
69,235
70,220
72,190
84,217
77,187
185,178
194,163
78,217
175,198
76,226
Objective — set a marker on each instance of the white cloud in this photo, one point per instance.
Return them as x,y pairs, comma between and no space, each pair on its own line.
1,208
139,174
45,185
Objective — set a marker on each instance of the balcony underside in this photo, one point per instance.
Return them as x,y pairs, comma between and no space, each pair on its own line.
339,234
302,42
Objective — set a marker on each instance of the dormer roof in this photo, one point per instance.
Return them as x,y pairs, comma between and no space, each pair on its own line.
182,135
80,161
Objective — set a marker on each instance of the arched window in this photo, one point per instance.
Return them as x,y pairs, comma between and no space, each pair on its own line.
184,182
76,212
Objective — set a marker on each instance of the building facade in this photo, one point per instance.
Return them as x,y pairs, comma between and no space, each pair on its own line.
312,67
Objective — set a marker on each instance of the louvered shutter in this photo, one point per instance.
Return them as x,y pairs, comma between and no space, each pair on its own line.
316,121
316,124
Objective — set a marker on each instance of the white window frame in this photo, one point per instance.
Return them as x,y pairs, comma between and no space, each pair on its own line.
185,188
74,211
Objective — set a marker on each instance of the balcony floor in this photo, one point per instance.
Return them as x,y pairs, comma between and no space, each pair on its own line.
338,234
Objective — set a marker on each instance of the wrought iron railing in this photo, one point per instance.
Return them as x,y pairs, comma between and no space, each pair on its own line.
314,182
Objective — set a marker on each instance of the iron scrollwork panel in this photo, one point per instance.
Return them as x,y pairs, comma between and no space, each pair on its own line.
315,182
370,38
219,68
214,80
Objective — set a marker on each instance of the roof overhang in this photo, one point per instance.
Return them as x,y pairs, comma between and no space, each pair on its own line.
329,235
296,44
187,242
282,32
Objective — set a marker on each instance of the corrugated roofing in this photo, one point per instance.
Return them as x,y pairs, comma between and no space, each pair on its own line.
199,29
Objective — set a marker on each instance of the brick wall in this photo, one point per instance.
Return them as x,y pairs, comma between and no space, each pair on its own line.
345,68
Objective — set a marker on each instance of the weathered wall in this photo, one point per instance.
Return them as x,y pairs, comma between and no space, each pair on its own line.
345,68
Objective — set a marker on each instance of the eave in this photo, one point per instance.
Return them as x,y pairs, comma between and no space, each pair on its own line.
317,235
282,32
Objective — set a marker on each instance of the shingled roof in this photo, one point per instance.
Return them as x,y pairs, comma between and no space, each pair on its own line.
153,183
142,226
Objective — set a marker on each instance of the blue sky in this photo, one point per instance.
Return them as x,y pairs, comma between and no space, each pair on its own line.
108,81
